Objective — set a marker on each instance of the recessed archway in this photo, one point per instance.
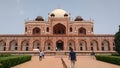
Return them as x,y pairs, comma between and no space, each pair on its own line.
2,45
25,45
36,44
59,29
36,31
13,45
59,45
82,31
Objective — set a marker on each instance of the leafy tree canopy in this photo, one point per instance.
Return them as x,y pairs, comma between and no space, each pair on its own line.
117,41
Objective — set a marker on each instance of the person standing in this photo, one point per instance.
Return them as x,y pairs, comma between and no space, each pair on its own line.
40,55
72,57
43,54
92,54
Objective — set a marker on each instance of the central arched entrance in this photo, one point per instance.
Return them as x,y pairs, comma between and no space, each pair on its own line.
59,29
59,45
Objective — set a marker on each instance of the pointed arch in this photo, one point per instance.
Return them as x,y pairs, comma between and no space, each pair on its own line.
105,45
48,45
25,45
71,44
71,29
82,45
81,30
36,31
94,45
36,44
59,29
59,45
13,45
2,45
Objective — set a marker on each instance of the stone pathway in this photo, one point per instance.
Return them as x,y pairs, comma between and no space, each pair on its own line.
55,62
88,62
47,62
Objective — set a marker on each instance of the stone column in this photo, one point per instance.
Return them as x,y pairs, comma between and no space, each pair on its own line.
42,44
54,44
88,45
99,44
65,44
19,45
76,45
30,44
7,45
111,45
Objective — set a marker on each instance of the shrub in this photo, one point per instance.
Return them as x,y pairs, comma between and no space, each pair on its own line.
8,62
5,55
115,54
109,59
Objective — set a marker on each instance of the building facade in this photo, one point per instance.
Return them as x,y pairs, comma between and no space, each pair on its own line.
60,33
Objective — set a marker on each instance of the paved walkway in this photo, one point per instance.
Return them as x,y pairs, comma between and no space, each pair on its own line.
55,62
88,62
47,62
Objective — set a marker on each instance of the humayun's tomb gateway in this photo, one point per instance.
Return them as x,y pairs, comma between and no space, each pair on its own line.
59,33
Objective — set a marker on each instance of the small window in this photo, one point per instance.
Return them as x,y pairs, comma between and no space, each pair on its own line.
37,47
70,29
25,29
91,43
4,48
47,29
49,48
70,44
15,48
27,48
102,48
114,48
91,48
113,44
92,29
81,48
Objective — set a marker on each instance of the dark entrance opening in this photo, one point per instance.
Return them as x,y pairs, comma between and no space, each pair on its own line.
27,48
59,45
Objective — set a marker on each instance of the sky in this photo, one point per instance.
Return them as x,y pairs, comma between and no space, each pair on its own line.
105,13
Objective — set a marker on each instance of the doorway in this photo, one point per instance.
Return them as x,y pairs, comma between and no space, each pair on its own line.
59,45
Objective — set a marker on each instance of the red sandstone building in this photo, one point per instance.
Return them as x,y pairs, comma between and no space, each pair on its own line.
59,32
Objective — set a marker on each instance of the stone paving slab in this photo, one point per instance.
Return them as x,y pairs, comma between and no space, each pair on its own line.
55,62
47,62
88,62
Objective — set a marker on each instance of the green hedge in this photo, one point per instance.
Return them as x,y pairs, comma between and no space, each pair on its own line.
5,55
10,61
115,54
109,59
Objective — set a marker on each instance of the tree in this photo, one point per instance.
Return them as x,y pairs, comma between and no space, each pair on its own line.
117,41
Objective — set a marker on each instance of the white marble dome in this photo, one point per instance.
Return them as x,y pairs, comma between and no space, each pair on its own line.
58,13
